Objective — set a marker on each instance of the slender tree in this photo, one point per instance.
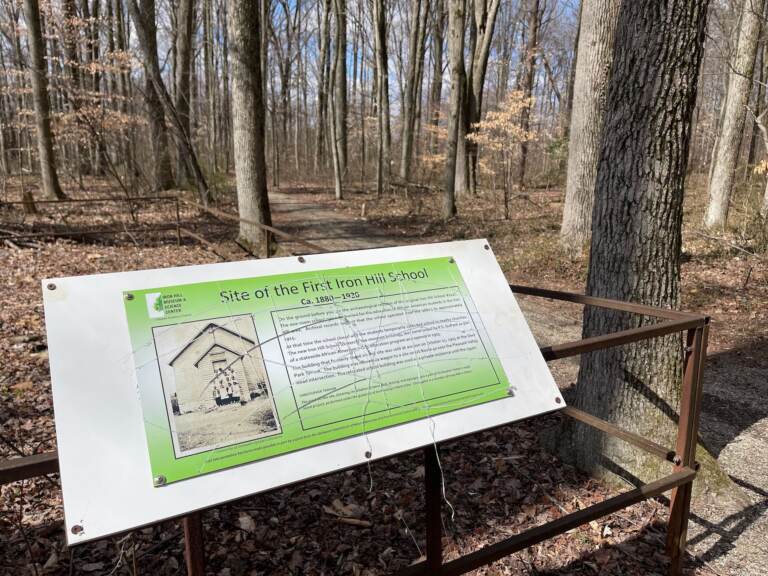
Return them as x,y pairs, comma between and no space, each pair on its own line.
162,173
593,71
248,111
185,17
726,153
340,83
414,76
50,180
526,84
384,165
456,18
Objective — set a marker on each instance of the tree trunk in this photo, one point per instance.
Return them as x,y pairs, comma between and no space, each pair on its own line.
383,172
248,114
571,87
636,237
593,72
184,31
340,83
526,86
50,180
153,69
324,41
416,47
456,17
436,86
162,173
735,110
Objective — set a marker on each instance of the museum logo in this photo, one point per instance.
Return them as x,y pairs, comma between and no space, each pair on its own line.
155,307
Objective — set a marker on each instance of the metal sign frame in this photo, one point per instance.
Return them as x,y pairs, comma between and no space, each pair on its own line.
681,458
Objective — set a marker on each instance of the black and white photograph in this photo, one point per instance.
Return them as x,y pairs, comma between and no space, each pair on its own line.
215,383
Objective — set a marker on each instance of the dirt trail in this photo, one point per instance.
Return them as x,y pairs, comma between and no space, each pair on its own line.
730,537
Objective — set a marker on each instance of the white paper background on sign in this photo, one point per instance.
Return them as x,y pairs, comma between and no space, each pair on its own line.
105,471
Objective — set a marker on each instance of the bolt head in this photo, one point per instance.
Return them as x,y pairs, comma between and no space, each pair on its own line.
129,296
76,529
368,454
302,259
558,400
160,480
51,286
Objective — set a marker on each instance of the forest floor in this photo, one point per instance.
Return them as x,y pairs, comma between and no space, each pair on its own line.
497,482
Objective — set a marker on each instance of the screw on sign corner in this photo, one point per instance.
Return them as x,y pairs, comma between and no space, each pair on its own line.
77,529
129,296
558,400
51,286
302,259
368,454
487,247
160,480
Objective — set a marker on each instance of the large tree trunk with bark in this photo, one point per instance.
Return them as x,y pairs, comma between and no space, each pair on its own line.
38,68
734,113
456,17
162,172
436,83
636,238
248,111
593,71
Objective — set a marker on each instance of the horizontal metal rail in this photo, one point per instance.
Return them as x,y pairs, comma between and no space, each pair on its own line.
518,542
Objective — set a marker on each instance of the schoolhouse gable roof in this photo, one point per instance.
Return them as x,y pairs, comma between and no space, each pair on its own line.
207,328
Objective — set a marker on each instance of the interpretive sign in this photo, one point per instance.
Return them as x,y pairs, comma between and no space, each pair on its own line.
183,388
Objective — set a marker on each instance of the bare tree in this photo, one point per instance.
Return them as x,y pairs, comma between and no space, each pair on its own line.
456,18
162,173
340,83
726,153
414,76
526,85
384,165
248,111
184,36
593,71
50,180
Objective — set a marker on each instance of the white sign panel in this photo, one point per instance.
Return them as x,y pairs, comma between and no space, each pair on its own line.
178,389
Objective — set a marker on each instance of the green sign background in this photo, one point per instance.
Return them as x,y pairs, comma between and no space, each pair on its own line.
485,381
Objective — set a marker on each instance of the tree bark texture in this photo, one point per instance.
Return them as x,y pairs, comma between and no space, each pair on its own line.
340,83
526,86
384,170
248,112
39,73
414,76
184,25
636,236
593,72
162,172
734,113
458,81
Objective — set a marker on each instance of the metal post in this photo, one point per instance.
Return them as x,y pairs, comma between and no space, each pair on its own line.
178,223
687,438
194,547
433,498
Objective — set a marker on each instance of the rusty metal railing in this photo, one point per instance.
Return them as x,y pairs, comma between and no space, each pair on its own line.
679,481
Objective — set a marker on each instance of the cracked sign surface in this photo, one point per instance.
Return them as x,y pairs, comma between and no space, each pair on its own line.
253,368
182,388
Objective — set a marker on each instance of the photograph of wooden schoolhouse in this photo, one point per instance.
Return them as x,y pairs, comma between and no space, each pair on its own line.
216,383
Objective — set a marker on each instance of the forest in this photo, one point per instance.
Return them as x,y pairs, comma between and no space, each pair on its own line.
613,148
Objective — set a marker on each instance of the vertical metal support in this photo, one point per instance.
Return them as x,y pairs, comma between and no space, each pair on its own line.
178,223
687,437
194,547
433,498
